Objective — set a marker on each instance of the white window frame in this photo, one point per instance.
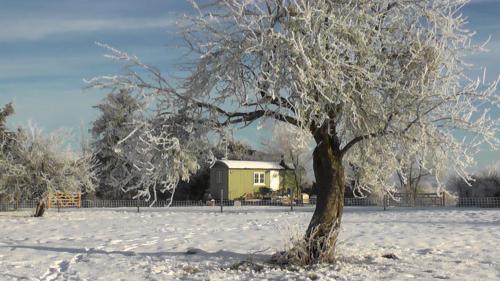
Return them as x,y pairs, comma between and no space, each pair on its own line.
259,178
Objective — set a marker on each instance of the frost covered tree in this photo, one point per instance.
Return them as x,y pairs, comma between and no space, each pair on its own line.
7,111
232,149
282,141
33,164
119,112
161,144
7,145
411,176
36,164
372,82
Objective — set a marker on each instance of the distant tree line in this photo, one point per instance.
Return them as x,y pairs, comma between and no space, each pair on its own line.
485,183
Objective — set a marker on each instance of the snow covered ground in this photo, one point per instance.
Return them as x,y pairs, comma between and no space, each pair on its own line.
202,244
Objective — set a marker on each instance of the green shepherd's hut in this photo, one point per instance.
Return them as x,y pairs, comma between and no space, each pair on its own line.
239,178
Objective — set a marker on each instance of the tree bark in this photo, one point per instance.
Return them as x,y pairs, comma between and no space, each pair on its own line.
40,208
323,230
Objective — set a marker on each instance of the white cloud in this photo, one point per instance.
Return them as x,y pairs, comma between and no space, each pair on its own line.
35,29
28,66
78,64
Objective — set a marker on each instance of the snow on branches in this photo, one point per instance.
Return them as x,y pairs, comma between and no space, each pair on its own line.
156,142
377,84
162,153
33,164
386,77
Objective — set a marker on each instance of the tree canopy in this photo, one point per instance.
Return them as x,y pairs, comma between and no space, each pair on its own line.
376,84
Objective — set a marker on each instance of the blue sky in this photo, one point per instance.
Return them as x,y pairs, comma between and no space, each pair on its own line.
47,48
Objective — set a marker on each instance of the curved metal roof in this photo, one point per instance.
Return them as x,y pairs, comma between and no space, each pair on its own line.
239,164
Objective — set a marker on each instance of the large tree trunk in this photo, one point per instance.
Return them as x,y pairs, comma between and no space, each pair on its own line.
319,243
40,208
323,230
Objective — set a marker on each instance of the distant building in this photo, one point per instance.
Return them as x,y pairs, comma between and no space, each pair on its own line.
239,178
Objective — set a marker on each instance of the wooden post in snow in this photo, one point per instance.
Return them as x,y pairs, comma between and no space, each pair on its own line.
221,199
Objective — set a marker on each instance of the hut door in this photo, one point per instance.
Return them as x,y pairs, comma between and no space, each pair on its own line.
275,180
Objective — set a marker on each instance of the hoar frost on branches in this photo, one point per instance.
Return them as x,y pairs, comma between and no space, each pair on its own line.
160,144
33,164
158,155
388,75
118,114
375,83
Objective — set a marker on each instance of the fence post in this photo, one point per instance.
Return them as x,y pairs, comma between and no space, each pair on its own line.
291,200
221,199
137,202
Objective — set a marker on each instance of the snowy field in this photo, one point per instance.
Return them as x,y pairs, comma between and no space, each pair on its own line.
202,244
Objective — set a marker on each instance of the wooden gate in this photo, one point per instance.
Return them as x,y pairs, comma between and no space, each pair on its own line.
64,200
416,200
